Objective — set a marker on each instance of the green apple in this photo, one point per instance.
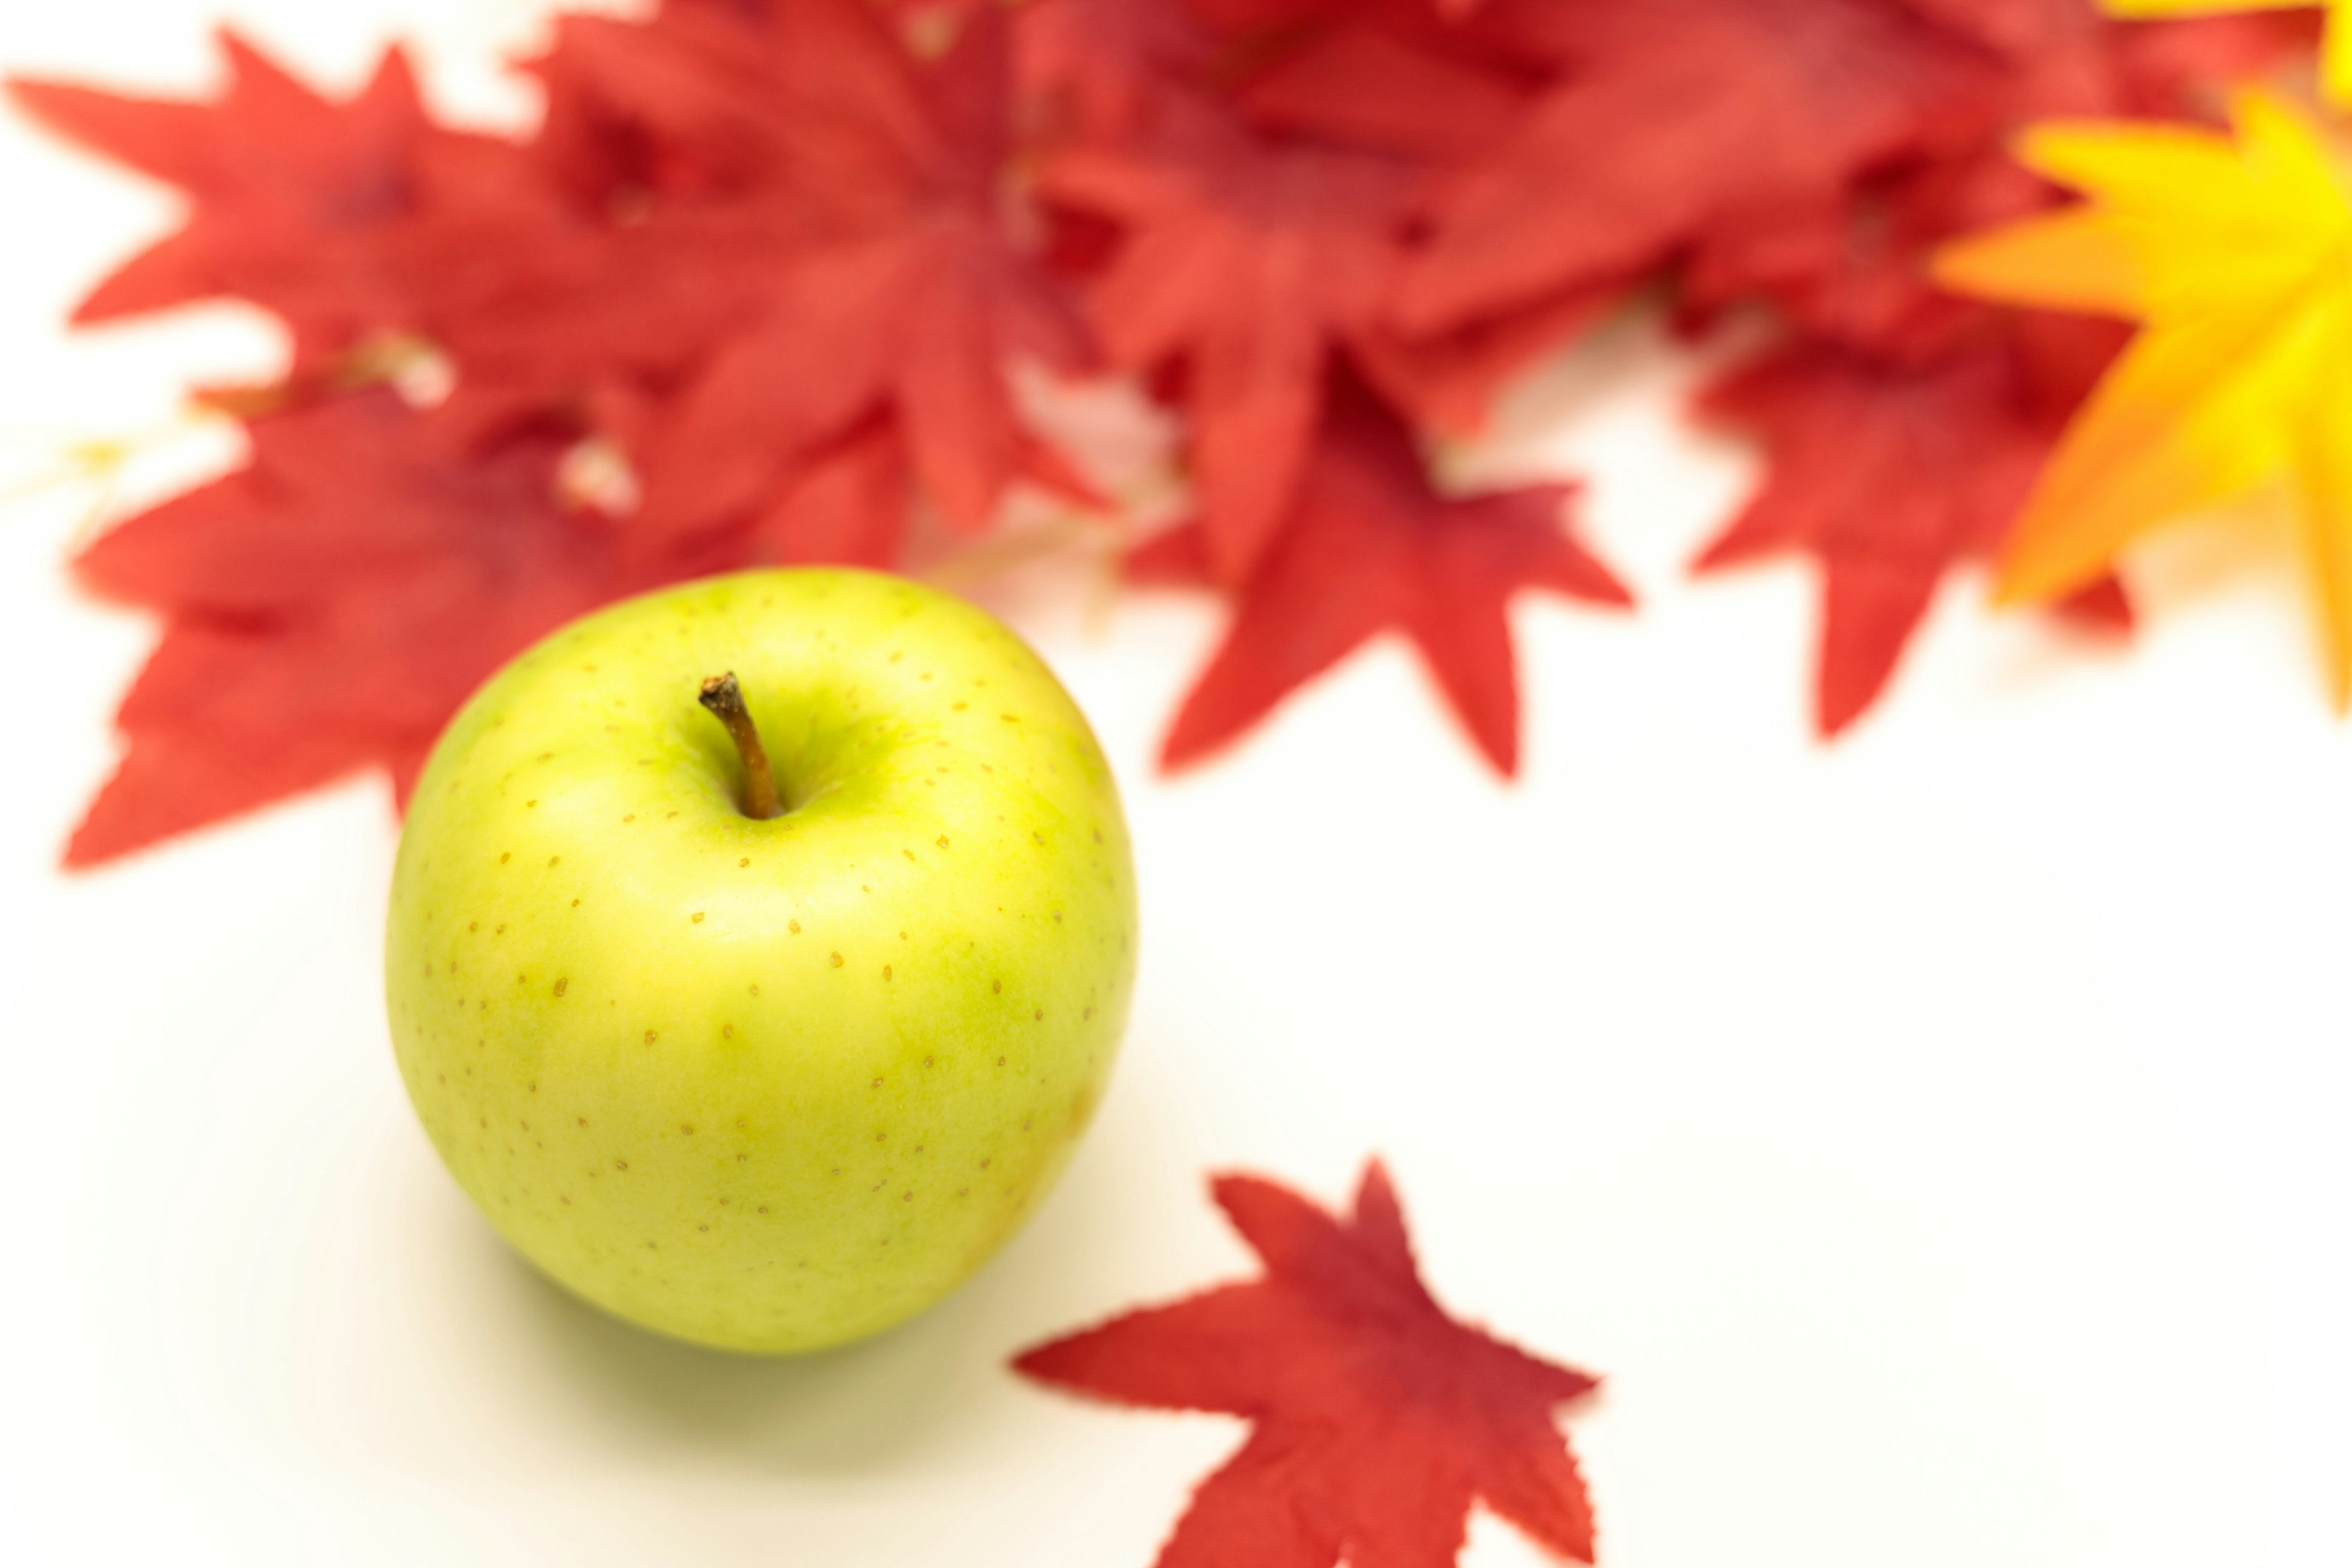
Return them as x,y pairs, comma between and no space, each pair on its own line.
765,1084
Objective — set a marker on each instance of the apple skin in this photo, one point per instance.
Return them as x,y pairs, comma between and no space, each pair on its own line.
768,1085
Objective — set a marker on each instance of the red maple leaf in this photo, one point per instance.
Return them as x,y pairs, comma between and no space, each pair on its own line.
328,606
1673,122
1262,21
1856,271
1890,472
1377,1419
849,505
1247,263
1447,384
2162,58
1393,76
1096,65
344,219
870,189
1905,428
1368,546
852,502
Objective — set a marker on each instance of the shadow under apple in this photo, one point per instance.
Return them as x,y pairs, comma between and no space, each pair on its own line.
932,1385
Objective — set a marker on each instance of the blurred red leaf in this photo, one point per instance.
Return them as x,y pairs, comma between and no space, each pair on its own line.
1368,546
1448,384
1393,78
852,503
1904,427
1247,263
345,219
1856,271
870,187
1377,1420
1096,65
849,506
328,606
1673,123
1890,473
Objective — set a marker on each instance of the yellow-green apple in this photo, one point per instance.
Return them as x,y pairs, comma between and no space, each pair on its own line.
765,1082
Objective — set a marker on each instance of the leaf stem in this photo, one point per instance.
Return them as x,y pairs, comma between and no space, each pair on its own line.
723,695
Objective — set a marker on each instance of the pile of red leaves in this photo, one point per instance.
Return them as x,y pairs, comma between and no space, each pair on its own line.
751,292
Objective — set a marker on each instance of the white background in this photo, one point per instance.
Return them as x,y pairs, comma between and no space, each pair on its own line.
1936,1141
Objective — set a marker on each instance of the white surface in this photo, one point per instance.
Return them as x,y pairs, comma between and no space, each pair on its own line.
1937,1141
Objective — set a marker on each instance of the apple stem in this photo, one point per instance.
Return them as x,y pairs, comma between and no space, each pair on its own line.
723,695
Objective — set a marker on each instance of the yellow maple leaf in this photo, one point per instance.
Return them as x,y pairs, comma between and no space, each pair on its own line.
2235,256
2336,60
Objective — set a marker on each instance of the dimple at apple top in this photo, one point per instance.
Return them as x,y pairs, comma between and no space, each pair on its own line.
1460,455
